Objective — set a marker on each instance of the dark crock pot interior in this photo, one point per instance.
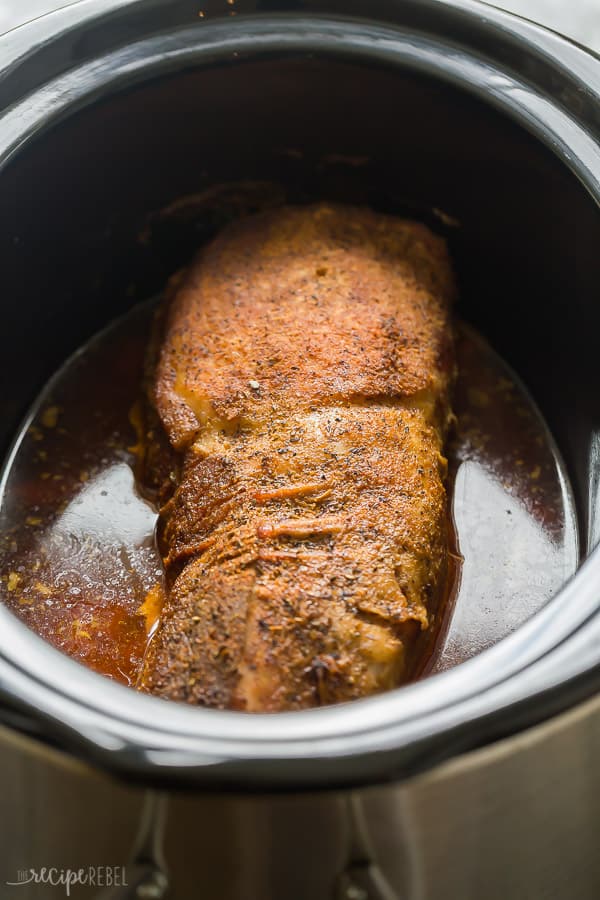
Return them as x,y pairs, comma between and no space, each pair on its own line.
81,242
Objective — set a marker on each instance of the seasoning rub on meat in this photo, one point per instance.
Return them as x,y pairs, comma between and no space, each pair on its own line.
301,399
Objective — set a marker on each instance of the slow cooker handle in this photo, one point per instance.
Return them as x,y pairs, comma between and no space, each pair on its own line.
144,882
146,872
361,879
364,881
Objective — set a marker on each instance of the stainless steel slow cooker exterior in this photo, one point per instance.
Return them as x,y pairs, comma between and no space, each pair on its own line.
478,782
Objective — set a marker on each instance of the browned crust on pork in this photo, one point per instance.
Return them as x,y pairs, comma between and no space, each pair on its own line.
303,381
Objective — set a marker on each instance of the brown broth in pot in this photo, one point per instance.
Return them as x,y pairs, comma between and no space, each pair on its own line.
78,559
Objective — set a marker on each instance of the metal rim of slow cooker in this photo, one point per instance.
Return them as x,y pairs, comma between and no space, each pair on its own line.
549,664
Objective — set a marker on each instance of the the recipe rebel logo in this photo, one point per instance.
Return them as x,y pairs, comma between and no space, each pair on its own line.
88,876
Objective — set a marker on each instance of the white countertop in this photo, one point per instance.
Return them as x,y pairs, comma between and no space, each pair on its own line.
578,19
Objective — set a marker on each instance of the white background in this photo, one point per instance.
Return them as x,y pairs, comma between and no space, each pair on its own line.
580,19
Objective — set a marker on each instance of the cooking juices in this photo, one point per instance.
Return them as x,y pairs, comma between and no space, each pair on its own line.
78,560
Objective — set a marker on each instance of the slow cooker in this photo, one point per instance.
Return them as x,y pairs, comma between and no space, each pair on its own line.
478,782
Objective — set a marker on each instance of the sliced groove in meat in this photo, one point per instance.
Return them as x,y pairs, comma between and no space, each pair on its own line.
311,484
